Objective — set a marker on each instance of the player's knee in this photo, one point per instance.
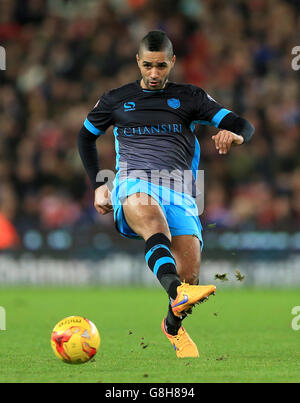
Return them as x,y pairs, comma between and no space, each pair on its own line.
153,225
145,220
149,224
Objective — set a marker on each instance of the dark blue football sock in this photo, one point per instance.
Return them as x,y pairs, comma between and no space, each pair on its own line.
161,261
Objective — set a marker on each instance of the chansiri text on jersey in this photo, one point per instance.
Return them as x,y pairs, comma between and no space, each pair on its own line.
166,128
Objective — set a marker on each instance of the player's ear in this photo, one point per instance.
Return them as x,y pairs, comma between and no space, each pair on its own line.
137,58
173,60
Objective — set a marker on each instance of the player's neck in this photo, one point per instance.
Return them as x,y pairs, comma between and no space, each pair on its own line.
144,87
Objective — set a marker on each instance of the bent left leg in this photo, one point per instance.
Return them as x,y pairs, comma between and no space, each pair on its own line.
187,253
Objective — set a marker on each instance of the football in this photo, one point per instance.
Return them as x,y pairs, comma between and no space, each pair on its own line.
75,340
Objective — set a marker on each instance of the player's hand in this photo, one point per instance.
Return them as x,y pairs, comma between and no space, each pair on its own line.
103,200
223,140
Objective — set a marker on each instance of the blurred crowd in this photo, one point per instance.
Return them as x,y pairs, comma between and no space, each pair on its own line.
61,55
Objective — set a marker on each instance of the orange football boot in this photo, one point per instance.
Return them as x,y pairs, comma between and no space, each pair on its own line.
181,342
189,295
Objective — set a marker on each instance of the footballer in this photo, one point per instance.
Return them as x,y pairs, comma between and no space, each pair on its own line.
153,123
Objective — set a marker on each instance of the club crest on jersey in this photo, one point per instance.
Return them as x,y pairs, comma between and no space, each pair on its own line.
129,106
174,103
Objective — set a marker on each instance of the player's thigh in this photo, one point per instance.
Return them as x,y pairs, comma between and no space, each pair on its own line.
145,216
187,253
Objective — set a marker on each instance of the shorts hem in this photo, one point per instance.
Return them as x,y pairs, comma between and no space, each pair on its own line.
177,232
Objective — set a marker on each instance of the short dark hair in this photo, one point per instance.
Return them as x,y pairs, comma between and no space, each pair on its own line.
156,41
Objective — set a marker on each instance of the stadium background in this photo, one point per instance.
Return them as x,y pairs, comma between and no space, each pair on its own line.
62,55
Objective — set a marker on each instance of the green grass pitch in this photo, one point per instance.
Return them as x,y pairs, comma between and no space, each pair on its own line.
243,335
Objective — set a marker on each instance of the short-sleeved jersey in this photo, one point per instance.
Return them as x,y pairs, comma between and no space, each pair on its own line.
154,129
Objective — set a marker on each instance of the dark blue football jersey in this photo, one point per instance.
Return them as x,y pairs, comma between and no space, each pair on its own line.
154,129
